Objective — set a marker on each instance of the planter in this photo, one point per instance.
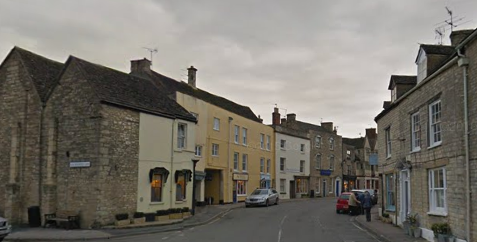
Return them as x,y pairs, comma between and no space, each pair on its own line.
139,220
186,214
122,222
175,216
417,232
405,226
162,218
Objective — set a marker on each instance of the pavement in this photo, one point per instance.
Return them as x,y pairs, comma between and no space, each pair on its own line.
384,231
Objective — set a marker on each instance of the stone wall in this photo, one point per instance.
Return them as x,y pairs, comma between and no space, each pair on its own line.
20,109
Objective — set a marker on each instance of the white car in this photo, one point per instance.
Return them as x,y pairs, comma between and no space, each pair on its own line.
262,197
5,228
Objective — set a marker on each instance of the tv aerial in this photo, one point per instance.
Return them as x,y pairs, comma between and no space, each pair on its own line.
151,51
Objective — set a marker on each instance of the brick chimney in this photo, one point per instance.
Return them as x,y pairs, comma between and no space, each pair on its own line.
191,76
371,132
140,66
275,117
291,117
459,35
284,122
327,125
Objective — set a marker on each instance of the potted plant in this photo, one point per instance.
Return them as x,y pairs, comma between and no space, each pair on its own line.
442,232
414,225
386,218
186,212
122,219
406,225
150,217
138,218
162,215
175,213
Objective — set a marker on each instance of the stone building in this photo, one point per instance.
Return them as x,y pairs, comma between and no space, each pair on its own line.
102,142
424,137
235,149
325,156
292,159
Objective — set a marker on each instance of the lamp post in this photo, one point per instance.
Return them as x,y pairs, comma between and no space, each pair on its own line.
194,161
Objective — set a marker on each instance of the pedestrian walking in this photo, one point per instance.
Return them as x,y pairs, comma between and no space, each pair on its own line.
367,204
361,199
353,204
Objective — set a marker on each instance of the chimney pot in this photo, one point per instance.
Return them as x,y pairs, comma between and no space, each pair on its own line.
191,76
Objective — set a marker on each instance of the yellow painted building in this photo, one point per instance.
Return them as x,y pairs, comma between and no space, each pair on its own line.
235,149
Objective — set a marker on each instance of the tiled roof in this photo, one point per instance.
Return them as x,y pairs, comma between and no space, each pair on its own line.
44,72
307,126
356,142
125,90
396,79
171,86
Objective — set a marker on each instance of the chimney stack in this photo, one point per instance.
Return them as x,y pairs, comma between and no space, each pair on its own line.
191,76
141,66
371,132
275,117
291,117
459,35
327,125
284,122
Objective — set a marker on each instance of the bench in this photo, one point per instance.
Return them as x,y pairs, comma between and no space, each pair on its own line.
67,217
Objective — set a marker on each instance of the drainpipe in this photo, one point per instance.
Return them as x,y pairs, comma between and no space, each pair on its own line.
464,63
173,175
228,160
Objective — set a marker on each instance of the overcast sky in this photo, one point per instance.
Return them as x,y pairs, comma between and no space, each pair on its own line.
323,60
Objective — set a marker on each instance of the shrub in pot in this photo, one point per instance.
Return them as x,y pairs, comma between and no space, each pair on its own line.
175,213
138,218
441,231
162,215
186,212
122,219
150,217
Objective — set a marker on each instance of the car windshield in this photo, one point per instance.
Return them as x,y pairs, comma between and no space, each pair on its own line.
259,192
344,196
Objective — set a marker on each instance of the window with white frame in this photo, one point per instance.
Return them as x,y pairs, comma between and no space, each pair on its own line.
268,142
435,137
262,141
216,124
236,161
181,136
390,194
318,161
387,134
318,141
244,136
198,150
241,188
332,162
282,185
282,144
332,143
244,162
302,147
416,132
262,165
302,166
437,191
236,134
268,165
215,149
317,186
282,163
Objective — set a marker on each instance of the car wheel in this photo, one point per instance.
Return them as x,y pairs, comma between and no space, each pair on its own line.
337,211
276,202
247,206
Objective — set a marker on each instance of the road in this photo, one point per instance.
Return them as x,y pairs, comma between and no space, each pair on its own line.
306,220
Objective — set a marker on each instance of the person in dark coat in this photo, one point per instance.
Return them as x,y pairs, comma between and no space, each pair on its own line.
367,204
361,199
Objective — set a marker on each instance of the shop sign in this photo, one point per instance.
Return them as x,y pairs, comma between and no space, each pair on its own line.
240,177
79,164
325,172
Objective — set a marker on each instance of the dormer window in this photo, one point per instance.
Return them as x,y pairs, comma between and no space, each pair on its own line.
393,94
421,67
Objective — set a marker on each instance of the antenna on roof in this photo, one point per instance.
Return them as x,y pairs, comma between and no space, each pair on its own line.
151,50
448,24
440,32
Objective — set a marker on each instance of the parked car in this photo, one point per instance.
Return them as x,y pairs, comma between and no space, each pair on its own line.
342,203
5,228
374,197
264,197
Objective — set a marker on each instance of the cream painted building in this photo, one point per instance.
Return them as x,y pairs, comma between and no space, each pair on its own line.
234,147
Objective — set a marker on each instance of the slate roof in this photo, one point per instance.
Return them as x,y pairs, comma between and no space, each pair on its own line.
356,142
438,49
115,87
307,126
171,86
43,72
397,79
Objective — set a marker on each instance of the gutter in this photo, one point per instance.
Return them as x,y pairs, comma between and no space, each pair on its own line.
464,63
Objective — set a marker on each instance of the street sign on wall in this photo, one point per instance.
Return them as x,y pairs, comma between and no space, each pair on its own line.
79,164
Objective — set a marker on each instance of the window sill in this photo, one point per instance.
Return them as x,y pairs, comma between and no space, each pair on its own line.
415,151
200,156
245,145
179,202
216,129
388,157
393,210
434,145
237,143
282,148
437,213
215,156
156,203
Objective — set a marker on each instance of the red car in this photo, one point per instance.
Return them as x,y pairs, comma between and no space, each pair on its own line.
342,203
